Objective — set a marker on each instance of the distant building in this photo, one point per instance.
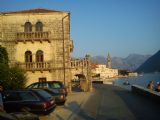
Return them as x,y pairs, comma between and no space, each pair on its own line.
132,74
104,71
109,61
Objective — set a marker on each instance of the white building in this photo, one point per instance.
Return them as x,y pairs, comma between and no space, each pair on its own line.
105,72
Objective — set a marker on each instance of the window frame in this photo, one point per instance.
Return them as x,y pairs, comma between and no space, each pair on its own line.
28,27
39,56
28,56
39,26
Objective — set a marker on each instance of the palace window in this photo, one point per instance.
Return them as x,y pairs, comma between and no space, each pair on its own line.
28,56
39,56
28,27
39,26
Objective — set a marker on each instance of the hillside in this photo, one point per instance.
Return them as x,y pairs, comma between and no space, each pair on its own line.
151,65
132,62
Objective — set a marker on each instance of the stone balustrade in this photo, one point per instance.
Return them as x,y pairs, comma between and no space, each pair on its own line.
32,36
35,65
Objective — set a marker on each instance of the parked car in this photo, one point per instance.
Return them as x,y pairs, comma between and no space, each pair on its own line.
35,101
59,97
18,116
55,88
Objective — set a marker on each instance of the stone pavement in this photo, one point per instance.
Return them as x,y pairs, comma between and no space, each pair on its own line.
74,101
106,102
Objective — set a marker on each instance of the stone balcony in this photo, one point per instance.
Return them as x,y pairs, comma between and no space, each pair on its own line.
33,36
36,66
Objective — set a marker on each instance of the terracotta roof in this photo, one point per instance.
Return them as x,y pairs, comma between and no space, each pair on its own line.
94,66
38,10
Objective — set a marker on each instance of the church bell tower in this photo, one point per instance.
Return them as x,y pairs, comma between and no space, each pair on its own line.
109,62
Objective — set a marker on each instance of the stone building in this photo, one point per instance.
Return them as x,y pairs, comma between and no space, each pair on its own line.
38,40
81,68
105,71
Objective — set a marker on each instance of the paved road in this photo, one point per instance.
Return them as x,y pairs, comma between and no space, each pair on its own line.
106,102
113,103
73,104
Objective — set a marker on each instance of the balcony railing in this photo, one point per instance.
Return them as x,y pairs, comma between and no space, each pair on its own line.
32,36
35,66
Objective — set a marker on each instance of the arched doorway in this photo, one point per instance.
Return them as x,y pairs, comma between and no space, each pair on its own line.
78,83
81,76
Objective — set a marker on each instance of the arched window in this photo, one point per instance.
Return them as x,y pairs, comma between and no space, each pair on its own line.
28,56
39,26
39,56
28,27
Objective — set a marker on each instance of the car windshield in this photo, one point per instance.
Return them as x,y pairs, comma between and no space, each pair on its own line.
43,93
55,85
35,85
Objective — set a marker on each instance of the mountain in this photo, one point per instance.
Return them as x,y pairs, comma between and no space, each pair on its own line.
98,60
132,62
151,65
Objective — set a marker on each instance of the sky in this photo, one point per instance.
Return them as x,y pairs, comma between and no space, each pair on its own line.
120,27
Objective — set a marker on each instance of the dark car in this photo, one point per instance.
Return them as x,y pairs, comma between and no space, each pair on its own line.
59,97
35,101
55,88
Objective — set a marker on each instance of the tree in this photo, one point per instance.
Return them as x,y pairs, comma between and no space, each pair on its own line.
17,78
3,56
4,75
10,77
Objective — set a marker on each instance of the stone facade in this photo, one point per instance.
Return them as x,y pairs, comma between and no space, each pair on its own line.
105,72
81,71
38,40
81,68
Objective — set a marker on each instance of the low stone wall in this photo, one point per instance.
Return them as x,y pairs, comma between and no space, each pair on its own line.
153,95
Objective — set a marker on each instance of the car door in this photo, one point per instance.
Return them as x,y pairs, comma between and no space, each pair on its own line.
29,101
11,101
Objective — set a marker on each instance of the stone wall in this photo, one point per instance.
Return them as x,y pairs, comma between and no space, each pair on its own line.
153,95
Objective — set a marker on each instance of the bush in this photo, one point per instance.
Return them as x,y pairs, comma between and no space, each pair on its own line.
4,75
3,56
10,78
17,78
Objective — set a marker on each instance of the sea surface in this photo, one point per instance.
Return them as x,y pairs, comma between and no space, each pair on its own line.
141,80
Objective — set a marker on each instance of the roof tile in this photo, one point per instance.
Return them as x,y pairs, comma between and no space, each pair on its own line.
38,10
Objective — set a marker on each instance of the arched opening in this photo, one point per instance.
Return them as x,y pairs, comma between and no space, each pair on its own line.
28,56
39,59
81,76
79,83
39,26
28,27
39,56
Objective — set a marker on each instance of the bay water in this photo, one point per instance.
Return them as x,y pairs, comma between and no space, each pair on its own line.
141,80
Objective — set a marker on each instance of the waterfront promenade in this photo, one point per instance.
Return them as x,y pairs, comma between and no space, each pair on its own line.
106,102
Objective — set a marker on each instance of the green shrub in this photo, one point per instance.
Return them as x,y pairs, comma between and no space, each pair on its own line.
10,77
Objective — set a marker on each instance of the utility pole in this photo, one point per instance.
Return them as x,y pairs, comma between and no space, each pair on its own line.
88,57
63,37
